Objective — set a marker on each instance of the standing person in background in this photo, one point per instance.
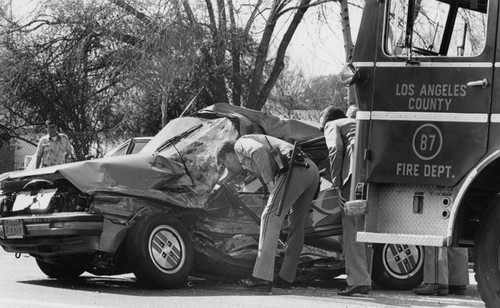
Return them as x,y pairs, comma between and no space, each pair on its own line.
255,153
53,148
340,133
446,271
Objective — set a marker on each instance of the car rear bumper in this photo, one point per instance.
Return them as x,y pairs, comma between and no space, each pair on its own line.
51,235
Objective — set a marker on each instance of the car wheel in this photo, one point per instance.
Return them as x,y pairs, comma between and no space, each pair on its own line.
487,257
160,251
398,267
59,271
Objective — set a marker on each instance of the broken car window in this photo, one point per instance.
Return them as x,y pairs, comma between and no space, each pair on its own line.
435,28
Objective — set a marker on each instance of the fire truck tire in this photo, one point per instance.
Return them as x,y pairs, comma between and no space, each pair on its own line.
487,257
397,267
59,271
160,251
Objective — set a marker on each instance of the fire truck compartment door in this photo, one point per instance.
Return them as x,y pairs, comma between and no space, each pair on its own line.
428,126
429,119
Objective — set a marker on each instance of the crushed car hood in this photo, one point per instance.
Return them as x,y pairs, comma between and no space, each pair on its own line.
286,129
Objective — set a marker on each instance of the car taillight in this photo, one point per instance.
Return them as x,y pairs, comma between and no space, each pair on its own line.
6,203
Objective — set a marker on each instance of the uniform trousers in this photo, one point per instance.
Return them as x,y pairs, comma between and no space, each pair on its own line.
358,256
446,265
299,195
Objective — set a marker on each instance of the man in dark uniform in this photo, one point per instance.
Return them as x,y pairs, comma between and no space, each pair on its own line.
340,134
446,271
255,153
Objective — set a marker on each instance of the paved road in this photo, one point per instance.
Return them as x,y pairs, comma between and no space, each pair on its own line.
22,284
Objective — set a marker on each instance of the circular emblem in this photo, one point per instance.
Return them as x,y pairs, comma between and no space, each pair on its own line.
427,141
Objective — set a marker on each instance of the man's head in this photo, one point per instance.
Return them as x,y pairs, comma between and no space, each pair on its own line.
51,128
227,157
329,114
351,112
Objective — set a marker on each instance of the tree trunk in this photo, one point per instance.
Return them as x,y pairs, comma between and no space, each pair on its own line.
215,63
348,45
235,55
260,59
280,56
164,112
163,91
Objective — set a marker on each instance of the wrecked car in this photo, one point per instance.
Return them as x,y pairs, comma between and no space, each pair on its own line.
162,214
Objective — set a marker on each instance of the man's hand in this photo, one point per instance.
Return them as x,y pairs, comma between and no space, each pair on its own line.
227,176
270,186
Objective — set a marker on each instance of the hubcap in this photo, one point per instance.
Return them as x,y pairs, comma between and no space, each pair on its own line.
402,261
167,249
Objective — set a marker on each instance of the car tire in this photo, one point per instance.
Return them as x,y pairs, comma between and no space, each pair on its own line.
59,271
397,267
160,251
487,257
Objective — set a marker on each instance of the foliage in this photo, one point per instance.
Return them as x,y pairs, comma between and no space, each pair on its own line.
131,65
58,66
293,91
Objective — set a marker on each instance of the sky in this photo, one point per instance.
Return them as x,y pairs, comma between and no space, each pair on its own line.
317,48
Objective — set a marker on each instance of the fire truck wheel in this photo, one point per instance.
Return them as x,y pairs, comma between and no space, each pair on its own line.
487,257
160,251
398,267
59,271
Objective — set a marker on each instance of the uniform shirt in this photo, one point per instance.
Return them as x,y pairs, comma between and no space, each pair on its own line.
53,152
254,153
340,136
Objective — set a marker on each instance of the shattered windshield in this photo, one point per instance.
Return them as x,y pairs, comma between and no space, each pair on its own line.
178,137
176,130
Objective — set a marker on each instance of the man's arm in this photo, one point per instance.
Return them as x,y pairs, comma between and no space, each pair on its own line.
38,154
336,151
259,156
70,151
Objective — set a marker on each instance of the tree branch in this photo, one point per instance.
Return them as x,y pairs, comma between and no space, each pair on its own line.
280,56
132,11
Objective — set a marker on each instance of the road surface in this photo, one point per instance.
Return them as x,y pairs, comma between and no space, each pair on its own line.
22,284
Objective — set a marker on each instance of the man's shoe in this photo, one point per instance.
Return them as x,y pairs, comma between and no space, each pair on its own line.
351,290
257,283
457,289
431,289
282,283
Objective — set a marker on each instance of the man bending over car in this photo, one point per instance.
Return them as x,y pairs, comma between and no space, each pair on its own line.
258,154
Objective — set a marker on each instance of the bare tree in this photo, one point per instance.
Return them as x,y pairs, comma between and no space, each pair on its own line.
165,49
288,93
232,57
260,87
146,56
60,64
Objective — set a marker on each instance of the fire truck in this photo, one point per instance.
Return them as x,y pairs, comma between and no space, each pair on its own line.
427,158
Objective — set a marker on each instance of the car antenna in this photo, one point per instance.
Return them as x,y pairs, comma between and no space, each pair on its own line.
191,102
